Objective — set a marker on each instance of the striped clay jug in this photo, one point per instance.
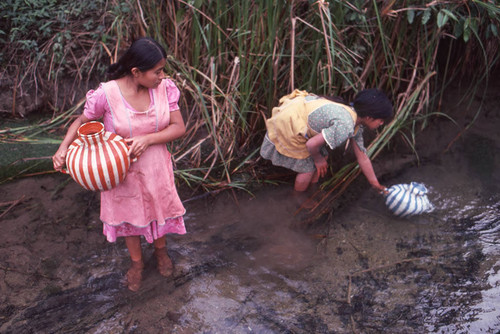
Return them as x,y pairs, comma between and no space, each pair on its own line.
405,200
97,159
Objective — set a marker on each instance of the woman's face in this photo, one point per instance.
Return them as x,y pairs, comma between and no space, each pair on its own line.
153,77
373,123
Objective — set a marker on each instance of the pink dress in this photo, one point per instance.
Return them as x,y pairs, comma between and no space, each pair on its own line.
146,203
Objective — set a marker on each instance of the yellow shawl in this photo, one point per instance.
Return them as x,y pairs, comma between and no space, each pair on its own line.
288,129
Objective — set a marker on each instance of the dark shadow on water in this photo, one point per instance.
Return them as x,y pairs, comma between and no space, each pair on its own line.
251,267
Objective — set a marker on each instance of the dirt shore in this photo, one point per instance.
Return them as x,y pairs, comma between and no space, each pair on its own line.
246,266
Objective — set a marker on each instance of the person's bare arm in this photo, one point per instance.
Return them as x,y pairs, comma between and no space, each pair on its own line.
314,145
367,168
59,158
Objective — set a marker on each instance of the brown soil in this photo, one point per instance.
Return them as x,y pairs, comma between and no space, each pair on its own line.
52,244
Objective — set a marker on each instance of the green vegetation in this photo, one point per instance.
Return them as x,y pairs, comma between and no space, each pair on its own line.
49,45
233,60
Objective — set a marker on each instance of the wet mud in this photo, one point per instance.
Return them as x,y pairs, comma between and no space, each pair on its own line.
250,265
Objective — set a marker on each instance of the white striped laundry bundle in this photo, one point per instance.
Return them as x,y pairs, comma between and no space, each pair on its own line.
405,200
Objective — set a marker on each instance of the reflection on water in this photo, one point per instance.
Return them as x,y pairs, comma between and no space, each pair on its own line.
433,273
249,267
483,224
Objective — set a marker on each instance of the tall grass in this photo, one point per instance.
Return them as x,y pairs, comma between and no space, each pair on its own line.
233,60
236,59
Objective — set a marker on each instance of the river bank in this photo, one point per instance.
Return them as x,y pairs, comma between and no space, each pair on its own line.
248,266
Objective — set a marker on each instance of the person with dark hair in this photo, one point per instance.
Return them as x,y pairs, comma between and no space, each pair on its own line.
140,104
303,123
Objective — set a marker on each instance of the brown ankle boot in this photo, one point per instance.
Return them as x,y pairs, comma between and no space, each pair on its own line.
164,264
134,275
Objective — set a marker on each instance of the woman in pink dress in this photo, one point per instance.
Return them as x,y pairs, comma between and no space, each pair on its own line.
140,104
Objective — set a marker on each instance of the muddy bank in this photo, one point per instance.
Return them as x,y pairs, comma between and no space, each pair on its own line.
245,269
251,267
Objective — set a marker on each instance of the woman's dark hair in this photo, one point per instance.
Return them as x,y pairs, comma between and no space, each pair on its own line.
369,102
373,103
144,54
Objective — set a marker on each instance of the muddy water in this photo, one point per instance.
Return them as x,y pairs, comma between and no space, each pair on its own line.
249,264
251,267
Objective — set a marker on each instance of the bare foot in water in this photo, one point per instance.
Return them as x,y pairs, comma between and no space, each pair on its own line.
304,199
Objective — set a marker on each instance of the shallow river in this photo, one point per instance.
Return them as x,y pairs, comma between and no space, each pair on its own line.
251,266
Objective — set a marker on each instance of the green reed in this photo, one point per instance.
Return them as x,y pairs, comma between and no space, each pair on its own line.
234,60
335,48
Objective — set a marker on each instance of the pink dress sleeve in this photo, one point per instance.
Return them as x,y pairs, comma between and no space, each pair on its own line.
173,95
97,107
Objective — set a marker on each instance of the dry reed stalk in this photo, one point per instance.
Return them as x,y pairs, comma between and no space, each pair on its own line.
12,205
230,103
14,94
292,57
385,266
322,11
40,173
107,51
144,25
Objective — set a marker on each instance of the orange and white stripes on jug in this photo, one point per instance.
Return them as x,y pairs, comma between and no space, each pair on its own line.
97,159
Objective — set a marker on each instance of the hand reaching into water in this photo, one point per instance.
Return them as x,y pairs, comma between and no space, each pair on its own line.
382,190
